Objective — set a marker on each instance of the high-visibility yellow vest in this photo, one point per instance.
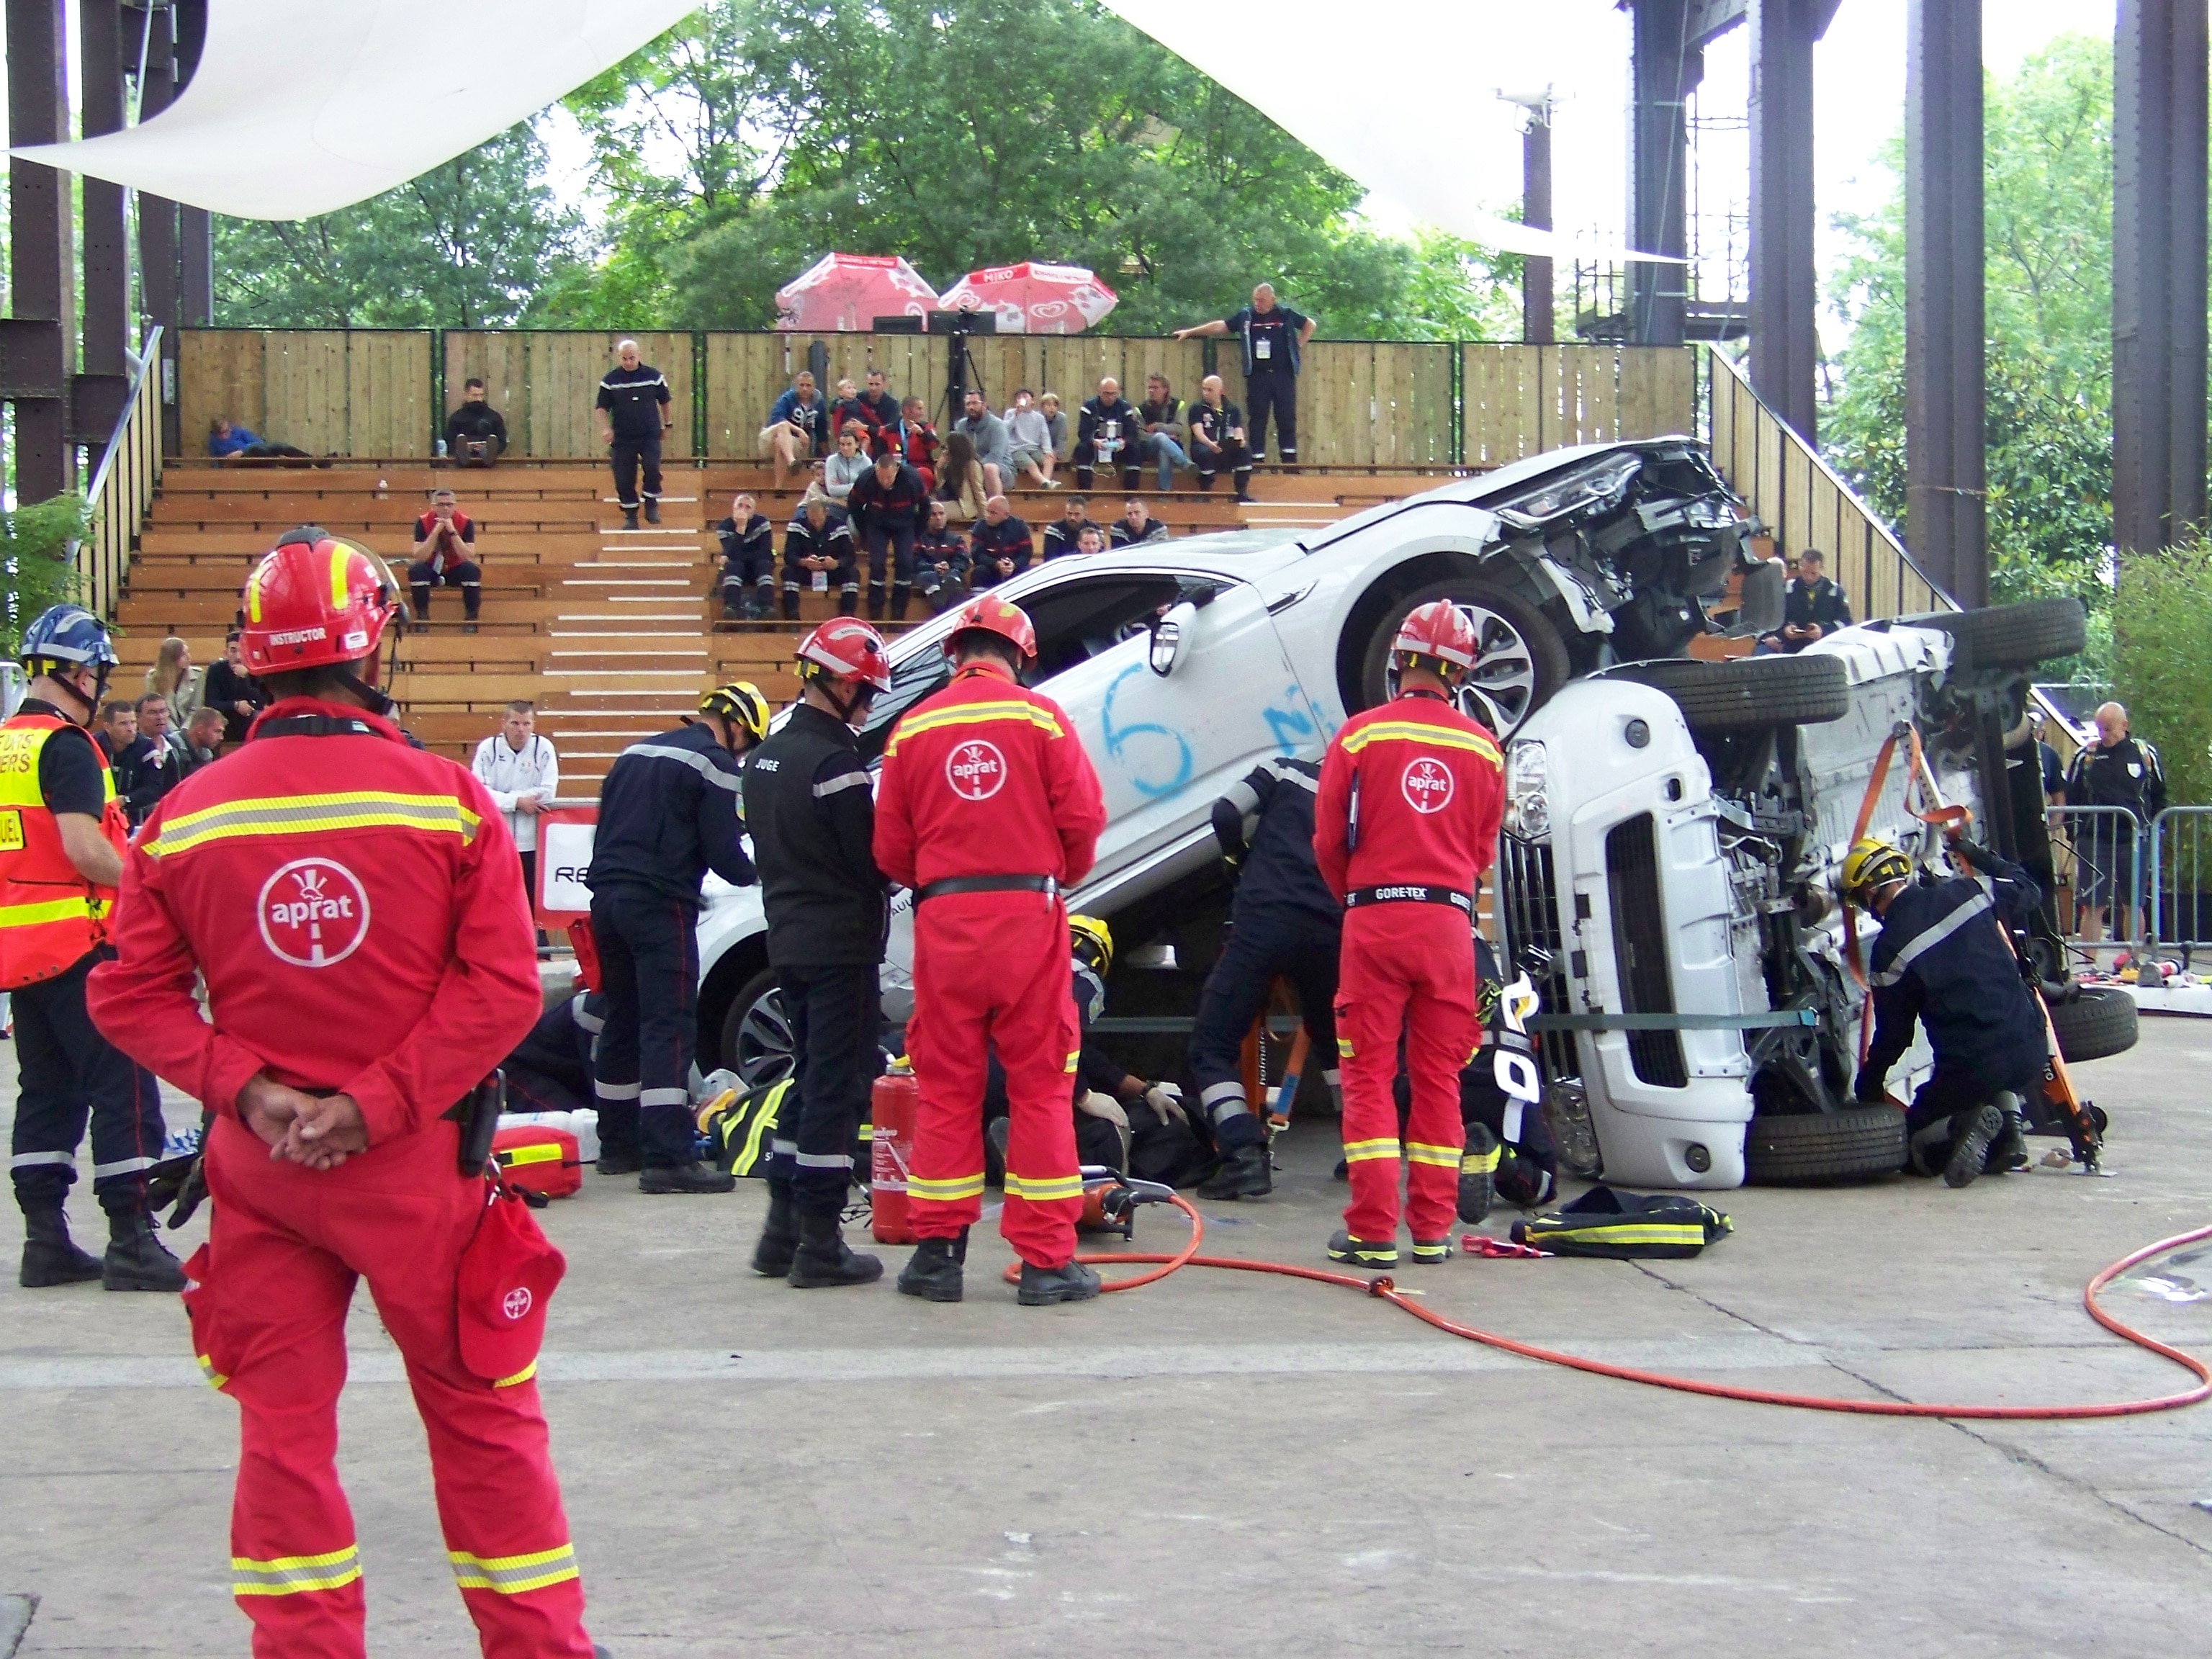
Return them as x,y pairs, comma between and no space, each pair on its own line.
50,914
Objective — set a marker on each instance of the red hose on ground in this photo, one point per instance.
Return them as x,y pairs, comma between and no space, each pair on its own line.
1388,1291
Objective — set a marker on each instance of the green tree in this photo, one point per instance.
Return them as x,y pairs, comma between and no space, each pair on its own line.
2162,661
37,542
469,244
2048,237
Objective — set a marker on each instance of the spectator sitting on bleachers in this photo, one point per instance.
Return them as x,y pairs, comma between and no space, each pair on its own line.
748,578
1161,416
879,412
960,482
1217,439
118,730
445,542
231,691
1062,533
1092,540
228,441
845,407
1137,526
988,434
1108,434
798,429
940,562
1001,543
202,738
918,440
819,544
154,764
476,433
844,470
1030,435
1055,422
175,680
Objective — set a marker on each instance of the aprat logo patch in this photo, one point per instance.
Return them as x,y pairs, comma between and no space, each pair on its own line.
1428,785
975,770
313,913
516,1303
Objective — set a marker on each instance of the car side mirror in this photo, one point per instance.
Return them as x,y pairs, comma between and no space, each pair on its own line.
1167,637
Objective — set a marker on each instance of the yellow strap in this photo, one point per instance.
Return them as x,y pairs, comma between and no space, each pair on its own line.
548,1153
522,1376
1649,1232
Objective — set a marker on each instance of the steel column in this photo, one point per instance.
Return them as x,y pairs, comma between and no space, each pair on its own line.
2159,140
1665,65
1785,343
1946,470
157,219
38,343
1536,303
195,229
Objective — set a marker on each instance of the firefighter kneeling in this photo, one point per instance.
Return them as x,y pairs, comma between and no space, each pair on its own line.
987,809
1405,824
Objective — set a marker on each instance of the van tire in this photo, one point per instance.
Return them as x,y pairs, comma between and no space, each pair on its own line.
2014,635
2097,1021
1545,651
1860,1143
1748,694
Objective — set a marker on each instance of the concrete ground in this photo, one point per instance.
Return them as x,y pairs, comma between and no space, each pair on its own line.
1227,1464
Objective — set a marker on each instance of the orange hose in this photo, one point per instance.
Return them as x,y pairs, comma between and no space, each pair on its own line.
1386,1289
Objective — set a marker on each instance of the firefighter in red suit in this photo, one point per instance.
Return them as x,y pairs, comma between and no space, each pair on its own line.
989,809
1405,824
356,907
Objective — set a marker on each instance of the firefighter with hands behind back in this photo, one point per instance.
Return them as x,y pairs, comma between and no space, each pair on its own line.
1405,824
356,909
812,819
62,842
989,809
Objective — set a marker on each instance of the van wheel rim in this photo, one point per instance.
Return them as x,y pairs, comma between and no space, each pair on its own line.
764,1046
1503,684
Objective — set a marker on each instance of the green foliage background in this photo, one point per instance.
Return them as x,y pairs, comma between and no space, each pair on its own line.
2162,661
35,571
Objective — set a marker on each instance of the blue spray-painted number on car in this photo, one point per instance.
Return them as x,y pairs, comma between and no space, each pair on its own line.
1289,725
1118,736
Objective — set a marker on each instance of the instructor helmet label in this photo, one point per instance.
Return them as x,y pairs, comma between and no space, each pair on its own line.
975,770
1428,785
313,913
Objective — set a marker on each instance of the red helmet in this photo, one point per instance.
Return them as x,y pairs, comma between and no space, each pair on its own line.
1439,629
991,615
313,601
847,647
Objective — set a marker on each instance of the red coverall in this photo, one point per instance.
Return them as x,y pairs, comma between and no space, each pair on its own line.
357,908
1405,824
987,779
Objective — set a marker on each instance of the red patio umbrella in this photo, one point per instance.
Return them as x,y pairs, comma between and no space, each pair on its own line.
1034,299
845,293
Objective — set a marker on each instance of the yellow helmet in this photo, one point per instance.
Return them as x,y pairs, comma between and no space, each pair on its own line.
739,701
1098,936
1871,864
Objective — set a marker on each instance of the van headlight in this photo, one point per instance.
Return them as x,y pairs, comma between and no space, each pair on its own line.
1527,806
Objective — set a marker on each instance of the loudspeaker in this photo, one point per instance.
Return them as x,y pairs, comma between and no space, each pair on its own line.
901,325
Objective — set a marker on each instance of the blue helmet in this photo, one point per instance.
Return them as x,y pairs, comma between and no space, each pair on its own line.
71,634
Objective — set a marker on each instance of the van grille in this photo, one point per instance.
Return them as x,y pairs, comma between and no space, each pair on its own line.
1640,948
1529,906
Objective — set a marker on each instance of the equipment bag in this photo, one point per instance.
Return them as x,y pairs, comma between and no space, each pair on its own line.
1604,1222
540,1158
739,1129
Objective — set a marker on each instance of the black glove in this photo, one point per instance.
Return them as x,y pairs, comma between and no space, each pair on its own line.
1971,852
1866,1089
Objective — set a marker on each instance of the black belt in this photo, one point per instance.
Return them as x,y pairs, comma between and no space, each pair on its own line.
1048,886
1409,893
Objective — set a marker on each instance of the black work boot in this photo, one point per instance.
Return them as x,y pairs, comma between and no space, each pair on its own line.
1041,1287
1429,1251
732,609
613,1163
2008,1152
1970,1149
629,517
779,1239
652,509
692,1177
50,1254
823,1259
1243,1173
136,1259
934,1273
1478,1174
1363,1252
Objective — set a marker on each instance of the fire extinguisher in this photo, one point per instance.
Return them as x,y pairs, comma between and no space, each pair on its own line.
894,1103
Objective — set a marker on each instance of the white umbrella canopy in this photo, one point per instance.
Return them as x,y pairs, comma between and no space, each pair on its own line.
298,109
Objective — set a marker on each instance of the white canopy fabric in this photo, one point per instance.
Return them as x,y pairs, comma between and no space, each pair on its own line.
300,108
1403,97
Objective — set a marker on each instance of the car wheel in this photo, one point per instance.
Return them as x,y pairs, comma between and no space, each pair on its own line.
757,1032
1857,1144
1519,659
2014,635
1748,693
2097,1021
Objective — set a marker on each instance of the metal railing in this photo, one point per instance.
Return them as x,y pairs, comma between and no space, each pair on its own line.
2180,878
2097,853
123,485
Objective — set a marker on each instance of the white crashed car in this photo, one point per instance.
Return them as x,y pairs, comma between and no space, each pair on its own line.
1184,663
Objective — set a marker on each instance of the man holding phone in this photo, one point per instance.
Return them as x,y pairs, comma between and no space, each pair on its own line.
1813,608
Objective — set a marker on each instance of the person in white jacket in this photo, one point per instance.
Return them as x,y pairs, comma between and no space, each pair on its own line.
523,774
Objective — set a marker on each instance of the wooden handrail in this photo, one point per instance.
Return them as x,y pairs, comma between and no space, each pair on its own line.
123,485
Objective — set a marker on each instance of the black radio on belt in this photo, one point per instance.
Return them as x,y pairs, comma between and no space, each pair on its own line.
477,1113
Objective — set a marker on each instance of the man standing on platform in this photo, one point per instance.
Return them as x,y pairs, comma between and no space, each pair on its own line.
1272,337
634,412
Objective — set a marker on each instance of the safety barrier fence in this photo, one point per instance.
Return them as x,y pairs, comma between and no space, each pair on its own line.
2180,878
2098,855
1382,404
123,485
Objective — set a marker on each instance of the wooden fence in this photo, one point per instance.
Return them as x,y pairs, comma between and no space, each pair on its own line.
1805,505
383,393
